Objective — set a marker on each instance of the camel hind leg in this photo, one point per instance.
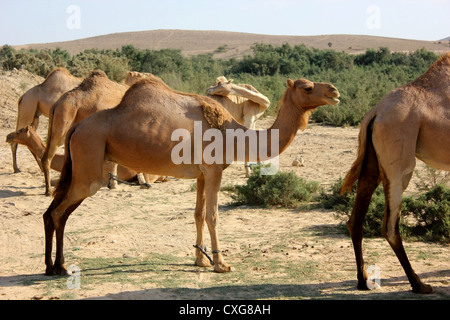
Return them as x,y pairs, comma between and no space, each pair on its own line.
397,162
80,178
393,195
367,183
55,221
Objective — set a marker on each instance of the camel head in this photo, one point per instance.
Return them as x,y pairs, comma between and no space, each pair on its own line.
19,136
221,87
309,95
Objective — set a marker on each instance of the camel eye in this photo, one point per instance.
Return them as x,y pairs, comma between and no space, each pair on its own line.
308,89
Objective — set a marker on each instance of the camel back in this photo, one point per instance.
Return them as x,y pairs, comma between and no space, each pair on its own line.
54,71
434,75
215,114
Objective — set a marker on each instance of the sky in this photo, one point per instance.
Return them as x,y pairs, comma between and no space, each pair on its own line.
42,21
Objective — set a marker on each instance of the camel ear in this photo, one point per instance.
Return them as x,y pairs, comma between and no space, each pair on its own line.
290,83
230,81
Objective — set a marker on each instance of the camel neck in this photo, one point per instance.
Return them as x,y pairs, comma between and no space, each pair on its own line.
269,143
290,118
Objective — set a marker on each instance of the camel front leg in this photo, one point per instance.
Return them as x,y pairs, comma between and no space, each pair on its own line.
14,156
46,160
113,182
200,217
213,177
142,181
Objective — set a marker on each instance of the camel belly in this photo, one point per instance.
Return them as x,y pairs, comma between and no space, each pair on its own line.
433,148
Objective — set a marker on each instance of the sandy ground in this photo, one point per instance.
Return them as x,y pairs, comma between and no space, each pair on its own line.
131,225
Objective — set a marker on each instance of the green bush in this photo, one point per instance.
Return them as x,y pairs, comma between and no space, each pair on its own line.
343,205
363,80
432,212
428,214
283,189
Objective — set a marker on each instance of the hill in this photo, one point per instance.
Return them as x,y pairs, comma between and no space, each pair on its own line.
235,44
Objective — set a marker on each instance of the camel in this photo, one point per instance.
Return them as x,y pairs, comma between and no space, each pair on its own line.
411,121
29,137
142,133
95,93
243,101
38,101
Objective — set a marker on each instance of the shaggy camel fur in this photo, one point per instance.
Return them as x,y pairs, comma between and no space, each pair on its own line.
38,101
138,134
243,101
411,121
29,137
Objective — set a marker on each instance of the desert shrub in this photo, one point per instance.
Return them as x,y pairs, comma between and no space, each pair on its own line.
281,189
343,205
431,177
428,214
432,212
115,67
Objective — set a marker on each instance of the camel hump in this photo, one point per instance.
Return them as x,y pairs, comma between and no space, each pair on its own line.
90,81
58,70
98,73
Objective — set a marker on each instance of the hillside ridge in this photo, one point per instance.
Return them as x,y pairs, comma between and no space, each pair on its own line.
234,44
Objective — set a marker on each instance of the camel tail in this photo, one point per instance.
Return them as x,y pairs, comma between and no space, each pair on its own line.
365,133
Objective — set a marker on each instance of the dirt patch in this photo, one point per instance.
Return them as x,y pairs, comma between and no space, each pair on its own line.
132,243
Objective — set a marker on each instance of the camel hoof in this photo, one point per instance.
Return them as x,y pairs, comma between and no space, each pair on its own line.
222,268
146,186
203,262
423,289
60,270
17,170
112,186
362,286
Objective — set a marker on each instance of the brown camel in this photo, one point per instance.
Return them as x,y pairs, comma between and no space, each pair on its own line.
243,101
142,133
95,93
38,101
411,121
29,137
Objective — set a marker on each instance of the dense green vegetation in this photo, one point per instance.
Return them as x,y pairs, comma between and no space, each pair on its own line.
424,217
361,79
283,189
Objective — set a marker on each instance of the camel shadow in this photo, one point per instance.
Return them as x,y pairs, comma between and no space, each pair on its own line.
10,194
337,290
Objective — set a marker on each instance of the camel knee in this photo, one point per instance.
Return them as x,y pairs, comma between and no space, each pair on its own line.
211,220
